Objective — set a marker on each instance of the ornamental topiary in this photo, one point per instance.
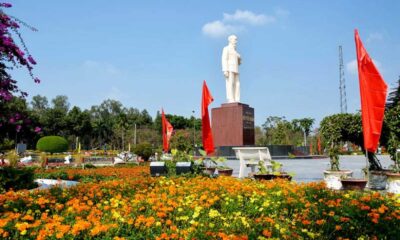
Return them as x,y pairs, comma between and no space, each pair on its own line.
144,150
52,144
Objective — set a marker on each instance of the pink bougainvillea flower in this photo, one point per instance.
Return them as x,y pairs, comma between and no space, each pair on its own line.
6,5
31,60
37,129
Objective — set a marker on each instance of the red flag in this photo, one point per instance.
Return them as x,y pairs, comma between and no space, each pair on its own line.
373,91
206,99
167,130
319,145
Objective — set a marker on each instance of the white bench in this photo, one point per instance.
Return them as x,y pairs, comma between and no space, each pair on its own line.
250,156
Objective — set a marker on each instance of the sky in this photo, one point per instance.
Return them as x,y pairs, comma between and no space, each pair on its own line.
156,54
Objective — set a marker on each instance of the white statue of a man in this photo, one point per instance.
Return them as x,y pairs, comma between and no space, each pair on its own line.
230,68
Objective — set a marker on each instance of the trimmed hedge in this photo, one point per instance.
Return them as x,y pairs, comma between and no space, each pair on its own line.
52,144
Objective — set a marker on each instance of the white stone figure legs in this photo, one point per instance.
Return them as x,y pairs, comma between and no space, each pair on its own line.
232,87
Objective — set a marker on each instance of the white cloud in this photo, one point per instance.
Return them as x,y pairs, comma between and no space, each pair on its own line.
374,37
280,12
238,21
115,94
352,67
91,66
219,29
248,17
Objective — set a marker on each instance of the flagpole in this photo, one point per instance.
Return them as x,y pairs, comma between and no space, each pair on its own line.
366,162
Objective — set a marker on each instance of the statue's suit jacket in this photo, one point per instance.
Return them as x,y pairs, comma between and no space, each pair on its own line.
230,60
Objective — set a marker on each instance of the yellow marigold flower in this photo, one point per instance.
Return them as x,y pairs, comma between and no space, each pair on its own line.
23,232
266,203
213,213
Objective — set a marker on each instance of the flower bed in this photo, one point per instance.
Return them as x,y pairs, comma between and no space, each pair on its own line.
142,207
94,174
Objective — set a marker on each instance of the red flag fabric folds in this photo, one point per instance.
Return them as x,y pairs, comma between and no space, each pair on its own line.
319,145
373,91
206,99
167,130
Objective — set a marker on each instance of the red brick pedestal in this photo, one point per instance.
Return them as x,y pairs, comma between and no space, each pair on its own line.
233,125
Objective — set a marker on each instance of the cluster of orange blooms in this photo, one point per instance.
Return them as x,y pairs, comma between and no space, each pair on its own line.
134,205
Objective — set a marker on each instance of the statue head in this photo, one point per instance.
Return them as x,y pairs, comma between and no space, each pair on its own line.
232,39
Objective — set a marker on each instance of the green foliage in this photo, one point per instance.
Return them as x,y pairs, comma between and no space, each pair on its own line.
52,144
394,97
339,128
13,158
392,118
182,140
144,150
280,131
16,178
62,175
180,156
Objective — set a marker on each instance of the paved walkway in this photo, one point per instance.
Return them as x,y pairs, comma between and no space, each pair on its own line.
308,170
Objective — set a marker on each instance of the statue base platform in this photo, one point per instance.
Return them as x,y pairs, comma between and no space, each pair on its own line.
233,125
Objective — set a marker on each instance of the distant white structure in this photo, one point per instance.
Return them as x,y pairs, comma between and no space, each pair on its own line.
67,159
26,159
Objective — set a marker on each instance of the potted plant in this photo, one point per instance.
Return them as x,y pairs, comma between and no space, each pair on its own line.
335,129
393,122
223,170
207,165
393,177
271,171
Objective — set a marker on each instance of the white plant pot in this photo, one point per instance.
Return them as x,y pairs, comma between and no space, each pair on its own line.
332,178
393,183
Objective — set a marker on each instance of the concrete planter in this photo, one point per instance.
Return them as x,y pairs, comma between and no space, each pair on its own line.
225,172
208,170
332,178
393,182
377,180
354,184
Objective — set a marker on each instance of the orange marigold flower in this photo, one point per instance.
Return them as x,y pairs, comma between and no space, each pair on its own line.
267,233
338,227
344,219
365,207
306,222
382,208
320,222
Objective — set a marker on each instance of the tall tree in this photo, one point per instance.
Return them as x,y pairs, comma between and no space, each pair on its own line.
39,104
394,96
61,103
304,124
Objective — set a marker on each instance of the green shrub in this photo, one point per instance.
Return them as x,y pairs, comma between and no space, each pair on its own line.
52,144
144,150
62,175
16,178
